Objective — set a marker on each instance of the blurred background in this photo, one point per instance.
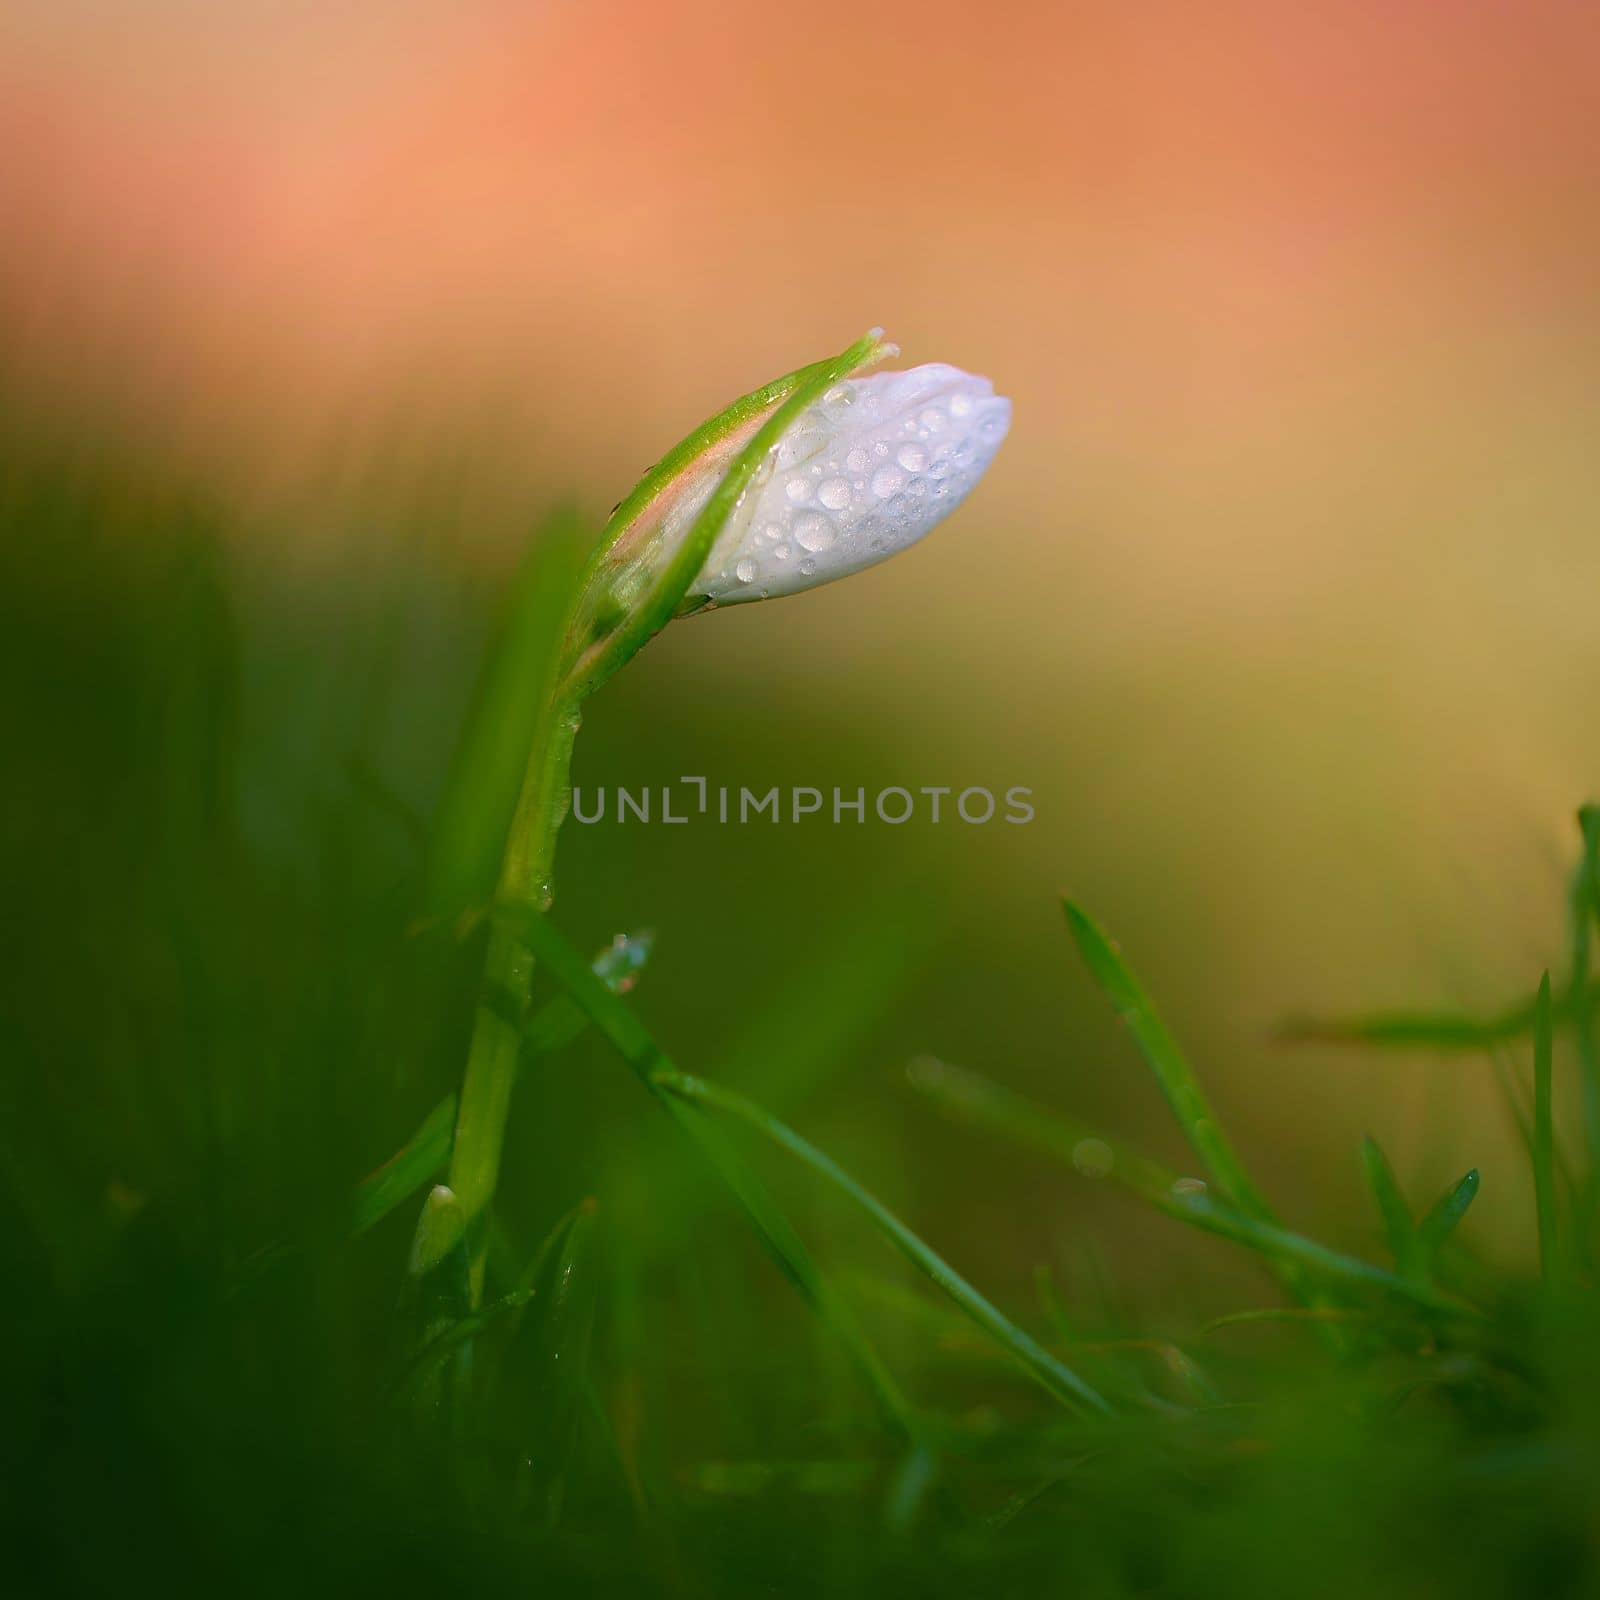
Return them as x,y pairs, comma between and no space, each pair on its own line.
1280,598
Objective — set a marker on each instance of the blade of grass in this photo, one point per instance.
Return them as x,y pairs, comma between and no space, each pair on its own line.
784,1051
1284,1245
1057,1378
1164,1058
1444,1032
452,1336
419,1159
513,692
629,1037
438,1295
1440,1222
1395,1214
1181,1087
977,1101
1544,1180
552,1345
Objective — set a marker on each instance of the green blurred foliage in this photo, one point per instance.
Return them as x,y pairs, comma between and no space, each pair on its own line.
222,1004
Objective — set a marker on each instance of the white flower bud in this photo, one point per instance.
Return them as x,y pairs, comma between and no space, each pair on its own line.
810,478
862,474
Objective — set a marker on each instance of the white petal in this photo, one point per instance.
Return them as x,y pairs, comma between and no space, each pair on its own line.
862,474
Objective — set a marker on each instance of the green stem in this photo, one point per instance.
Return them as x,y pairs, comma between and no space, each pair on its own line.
508,979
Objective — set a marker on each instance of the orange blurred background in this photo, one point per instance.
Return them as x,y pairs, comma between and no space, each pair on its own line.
1282,595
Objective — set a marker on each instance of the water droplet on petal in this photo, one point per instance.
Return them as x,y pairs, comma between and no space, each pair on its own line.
834,494
912,457
808,566
813,532
857,460
798,490
932,419
782,553
746,570
887,481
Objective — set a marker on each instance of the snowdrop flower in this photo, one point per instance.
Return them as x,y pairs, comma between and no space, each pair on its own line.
818,475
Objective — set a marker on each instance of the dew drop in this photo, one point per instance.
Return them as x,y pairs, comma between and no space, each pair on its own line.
808,566
857,460
880,447
782,553
960,405
887,481
912,457
813,532
745,571
834,494
932,419
1093,1157
798,490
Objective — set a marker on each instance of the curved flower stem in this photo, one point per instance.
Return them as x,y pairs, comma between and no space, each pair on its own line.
586,660
507,980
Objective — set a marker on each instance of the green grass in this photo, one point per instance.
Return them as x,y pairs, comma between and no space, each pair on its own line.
722,1346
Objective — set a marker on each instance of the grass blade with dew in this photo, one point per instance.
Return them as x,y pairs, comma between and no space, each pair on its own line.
629,1037
1166,1060
1544,1173
782,1053
980,1103
454,1335
1440,1221
1056,1377
1398,1225
1181,1087
551,1347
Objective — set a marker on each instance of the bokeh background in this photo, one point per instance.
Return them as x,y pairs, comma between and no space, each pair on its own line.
1281,596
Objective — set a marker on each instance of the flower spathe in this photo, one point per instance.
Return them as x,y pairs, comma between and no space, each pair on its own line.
862,474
